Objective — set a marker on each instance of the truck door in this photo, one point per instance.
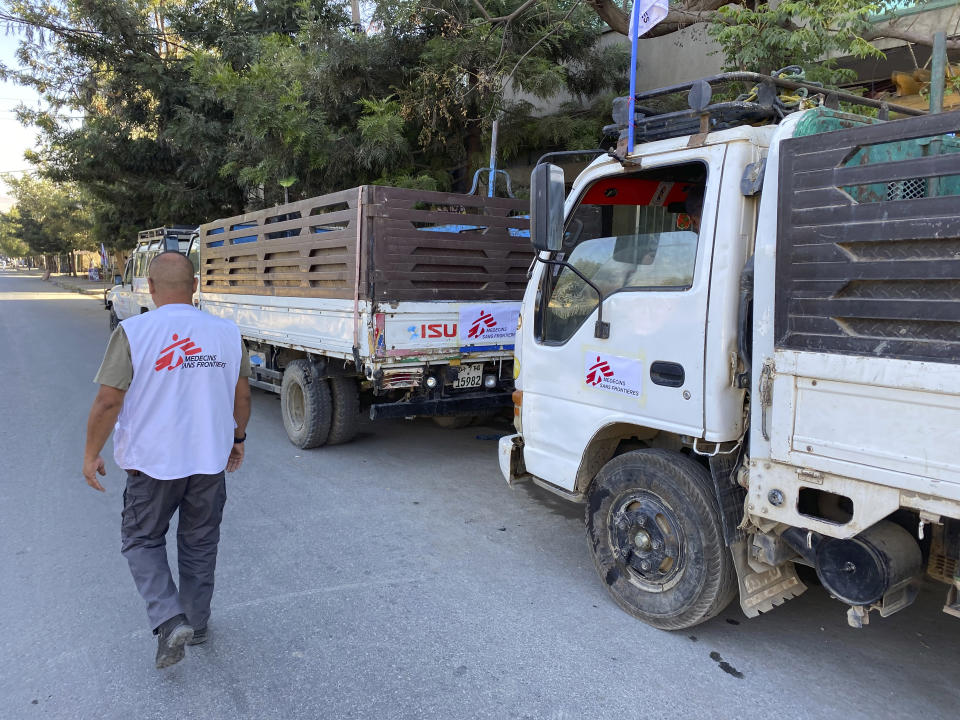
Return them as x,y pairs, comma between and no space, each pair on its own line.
193,254
645,239
122,293
141,291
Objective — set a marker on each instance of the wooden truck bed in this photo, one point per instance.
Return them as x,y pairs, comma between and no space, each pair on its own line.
374,243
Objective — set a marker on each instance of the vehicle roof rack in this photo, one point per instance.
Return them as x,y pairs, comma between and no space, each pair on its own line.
765,103
181,231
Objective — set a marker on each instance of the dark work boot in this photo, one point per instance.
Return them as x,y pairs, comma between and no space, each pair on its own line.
199,636
171,637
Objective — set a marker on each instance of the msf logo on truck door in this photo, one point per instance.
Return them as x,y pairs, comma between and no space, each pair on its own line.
598,372
613,373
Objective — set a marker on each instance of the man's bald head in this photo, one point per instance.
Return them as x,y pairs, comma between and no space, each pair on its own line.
171,278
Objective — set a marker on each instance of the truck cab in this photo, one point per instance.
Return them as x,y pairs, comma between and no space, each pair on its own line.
130,294
707,362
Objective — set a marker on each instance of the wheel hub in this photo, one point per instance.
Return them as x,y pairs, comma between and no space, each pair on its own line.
646,538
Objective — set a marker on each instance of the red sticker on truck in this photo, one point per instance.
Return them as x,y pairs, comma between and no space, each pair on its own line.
489,324
613,373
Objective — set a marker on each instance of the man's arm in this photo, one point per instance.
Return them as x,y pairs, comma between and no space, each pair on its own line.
103,416
241,414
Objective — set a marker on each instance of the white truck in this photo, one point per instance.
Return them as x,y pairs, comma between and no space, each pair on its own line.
740,349
129,295
404,300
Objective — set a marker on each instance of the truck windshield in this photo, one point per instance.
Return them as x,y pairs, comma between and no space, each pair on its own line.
628,233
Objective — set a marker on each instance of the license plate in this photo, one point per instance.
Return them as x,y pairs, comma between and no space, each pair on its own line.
470,376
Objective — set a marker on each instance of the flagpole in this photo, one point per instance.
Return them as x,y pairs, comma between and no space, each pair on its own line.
634,38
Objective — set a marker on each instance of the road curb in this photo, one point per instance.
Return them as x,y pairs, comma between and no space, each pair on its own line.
72,287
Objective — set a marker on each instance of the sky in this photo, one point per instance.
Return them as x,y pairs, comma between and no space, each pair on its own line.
14,137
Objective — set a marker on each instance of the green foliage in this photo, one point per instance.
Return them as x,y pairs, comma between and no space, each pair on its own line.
11,244
383,143
196,109
810,34
49,218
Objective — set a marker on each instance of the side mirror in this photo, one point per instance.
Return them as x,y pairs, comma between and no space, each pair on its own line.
546,207
118,279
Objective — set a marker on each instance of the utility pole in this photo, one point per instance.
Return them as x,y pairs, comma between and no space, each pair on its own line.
355,15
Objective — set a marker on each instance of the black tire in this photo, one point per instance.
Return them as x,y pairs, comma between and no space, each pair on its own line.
114,320
305,405
452,422
655,533
346,410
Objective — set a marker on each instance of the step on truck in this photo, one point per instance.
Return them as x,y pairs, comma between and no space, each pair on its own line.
740,349
400,301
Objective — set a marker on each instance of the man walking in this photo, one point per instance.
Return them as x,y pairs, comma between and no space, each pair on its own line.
174,382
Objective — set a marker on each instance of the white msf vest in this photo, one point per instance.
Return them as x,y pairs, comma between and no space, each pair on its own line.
177,416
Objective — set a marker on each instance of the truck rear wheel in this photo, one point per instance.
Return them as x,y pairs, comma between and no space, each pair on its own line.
655,533
346,410
305,405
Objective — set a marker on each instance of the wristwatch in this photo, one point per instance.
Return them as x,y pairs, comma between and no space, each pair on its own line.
237,441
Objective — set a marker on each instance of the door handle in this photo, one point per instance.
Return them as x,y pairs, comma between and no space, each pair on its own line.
669,374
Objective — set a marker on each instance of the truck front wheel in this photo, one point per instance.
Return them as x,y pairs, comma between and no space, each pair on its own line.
655,533
305,405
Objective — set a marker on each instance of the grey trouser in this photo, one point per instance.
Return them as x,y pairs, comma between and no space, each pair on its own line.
148,505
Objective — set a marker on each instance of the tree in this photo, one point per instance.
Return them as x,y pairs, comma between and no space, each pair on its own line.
853,15
10,243
52,219
194,109
133,151
408,104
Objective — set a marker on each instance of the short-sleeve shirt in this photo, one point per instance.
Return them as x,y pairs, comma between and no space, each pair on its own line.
116,370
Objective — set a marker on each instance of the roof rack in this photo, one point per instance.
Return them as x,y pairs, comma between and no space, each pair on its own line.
764,103
181,231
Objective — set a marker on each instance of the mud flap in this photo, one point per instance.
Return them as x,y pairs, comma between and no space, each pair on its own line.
952,606
760,592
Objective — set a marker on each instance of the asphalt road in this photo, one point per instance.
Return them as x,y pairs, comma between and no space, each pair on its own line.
394,577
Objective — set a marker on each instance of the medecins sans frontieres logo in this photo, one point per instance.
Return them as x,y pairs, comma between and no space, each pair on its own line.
173,356
598,372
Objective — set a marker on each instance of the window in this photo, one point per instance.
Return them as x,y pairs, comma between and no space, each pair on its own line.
128,272
193,253
628,233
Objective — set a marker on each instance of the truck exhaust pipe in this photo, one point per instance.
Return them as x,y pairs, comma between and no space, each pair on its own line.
876,569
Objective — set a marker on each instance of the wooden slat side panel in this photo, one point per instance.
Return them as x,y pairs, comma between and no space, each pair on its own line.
415,246
874,273
306,248
442,246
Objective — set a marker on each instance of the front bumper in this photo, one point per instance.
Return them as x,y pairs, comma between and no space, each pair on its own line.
510,452
464,404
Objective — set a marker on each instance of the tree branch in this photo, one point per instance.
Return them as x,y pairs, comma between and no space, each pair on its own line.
505,19
550,32
482,9
689,14
705,11
893,33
